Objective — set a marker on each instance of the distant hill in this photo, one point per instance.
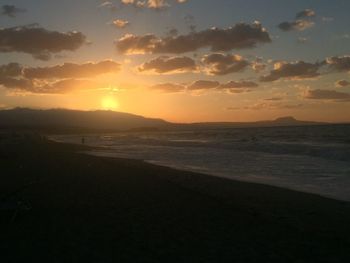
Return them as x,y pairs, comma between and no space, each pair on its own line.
62,120
283,121
74,120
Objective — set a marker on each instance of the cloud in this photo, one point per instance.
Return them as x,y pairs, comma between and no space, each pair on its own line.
220,64
268,106
238,86
339,64
333,95
162,65
56,79
151,4
240,36
299,25
72,70
39,42
169,87
293,71
203,85
206,85
120,23
305,13
342,83
10,70
11,10
258,65
302,40
274,99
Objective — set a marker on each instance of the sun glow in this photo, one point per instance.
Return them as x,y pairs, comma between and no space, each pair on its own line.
109,103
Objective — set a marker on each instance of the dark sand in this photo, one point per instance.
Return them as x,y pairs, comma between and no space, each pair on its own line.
92,209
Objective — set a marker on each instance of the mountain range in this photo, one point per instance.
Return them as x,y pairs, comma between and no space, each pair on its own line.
75,120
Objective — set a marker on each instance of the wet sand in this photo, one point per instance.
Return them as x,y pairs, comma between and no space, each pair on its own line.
60,205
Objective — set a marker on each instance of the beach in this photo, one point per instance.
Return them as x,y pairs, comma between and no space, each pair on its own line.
74,207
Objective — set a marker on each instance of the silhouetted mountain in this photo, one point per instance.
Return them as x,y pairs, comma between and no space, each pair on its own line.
283,121
62,120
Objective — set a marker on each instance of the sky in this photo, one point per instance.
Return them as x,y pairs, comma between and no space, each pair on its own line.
179,60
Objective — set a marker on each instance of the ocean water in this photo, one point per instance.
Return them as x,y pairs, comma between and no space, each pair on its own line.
313,159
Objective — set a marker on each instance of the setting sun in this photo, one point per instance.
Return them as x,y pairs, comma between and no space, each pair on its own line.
109,103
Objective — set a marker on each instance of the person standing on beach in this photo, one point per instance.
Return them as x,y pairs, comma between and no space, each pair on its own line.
82,140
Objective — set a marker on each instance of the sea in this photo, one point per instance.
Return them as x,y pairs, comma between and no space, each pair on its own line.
314,159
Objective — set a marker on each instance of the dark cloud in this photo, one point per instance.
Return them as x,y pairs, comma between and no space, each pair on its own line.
169,87
273,99
220,64
305,13
342,83
39,42
165,64
11,70
294,71
203,85
71,70
56,79
239,36
11,10
340,64
319,94
299,25
239,86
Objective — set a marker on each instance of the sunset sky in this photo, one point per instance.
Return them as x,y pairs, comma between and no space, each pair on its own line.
183,61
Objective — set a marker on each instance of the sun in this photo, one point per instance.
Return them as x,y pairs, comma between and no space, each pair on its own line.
109,103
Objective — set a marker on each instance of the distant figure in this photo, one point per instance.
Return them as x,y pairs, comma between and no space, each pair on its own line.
82,140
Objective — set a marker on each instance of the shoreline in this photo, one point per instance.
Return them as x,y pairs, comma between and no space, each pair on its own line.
108,209
94,151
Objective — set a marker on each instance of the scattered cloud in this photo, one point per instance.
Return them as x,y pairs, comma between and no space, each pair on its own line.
321,94
292,71
231,87
299,25
169,65
151,4
56,79
203,85
11,10
220,64
342,83
302,21
240,36
258,65
120,23
72,70
302,40
274,99
238,86
39,42
268,106
305,13
340,64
